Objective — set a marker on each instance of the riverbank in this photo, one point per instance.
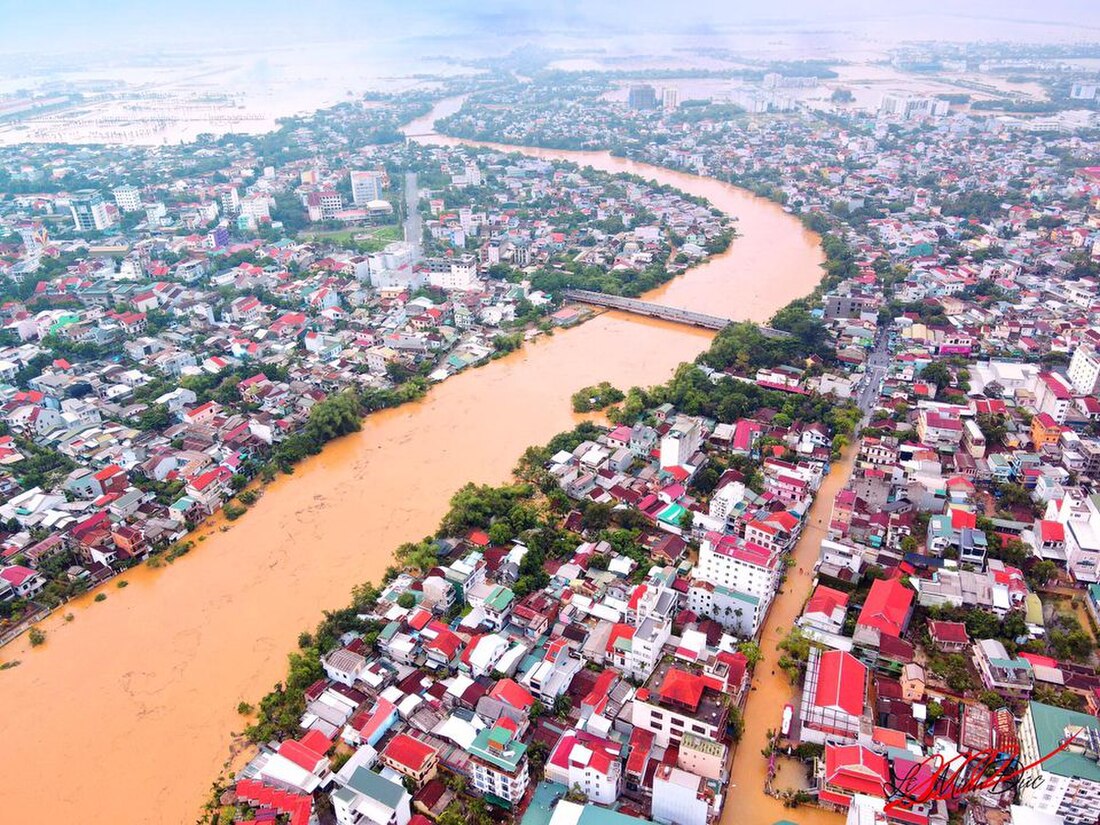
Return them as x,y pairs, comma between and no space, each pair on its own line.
174,654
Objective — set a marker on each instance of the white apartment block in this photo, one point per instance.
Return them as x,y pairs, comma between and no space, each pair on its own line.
127,198
1084,370
366,186
681,442
1068,785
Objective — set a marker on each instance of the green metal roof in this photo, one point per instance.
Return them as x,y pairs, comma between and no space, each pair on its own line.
507,757
499,598
376,787
1051,726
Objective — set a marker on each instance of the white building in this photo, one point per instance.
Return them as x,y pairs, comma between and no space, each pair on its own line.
588,766
1080,515
498,764
461,274
369,797
1067,785
256,209
734,582
323,205
1084,370
723,502
635,651
366,186
230,200
682,798
127,198
681,442
395,266
89,211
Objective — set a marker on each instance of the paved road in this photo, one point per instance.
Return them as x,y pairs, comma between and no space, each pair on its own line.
876,371
414,226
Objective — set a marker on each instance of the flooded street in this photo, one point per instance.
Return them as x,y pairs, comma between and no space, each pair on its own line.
128,709
771,689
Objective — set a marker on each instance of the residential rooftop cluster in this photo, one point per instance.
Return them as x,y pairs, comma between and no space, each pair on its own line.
955,605
587,645
164,348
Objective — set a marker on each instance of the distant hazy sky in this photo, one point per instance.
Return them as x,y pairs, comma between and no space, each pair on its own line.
50,26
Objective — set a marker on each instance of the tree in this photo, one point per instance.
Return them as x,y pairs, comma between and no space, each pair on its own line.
501,532
155,417
562,705
937,373
1041,572
736,723
596,516
991,699
751,652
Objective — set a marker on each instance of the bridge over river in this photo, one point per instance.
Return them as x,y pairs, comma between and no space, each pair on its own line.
651,310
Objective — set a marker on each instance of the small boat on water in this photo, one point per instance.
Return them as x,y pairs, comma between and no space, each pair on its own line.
788,717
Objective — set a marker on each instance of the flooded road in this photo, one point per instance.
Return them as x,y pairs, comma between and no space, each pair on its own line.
124,715
771,689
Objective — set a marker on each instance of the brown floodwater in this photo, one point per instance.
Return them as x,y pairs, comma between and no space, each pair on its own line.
771,689
125,714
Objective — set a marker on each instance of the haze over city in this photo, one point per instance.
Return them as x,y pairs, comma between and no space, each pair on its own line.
567,413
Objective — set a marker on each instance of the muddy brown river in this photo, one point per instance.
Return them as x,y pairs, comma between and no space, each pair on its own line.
125,715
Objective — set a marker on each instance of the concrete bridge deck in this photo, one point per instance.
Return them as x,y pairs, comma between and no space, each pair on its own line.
651,310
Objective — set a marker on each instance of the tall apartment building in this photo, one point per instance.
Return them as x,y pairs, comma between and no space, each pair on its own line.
642,97
127,198
323,205
89,211
908,108
366,186
734,582
230,200
1084,370
1068,784
498,763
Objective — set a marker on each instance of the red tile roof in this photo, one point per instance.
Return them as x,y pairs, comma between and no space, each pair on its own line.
1052,531
826,600
887,607
841,682
411,753
948,632
512,693
682,688
856,769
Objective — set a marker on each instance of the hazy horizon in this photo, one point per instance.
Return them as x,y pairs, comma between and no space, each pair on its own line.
73,26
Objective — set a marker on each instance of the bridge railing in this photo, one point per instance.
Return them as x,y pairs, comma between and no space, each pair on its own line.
652,310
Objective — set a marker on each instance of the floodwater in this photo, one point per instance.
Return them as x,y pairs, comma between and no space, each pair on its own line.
771,689
125,714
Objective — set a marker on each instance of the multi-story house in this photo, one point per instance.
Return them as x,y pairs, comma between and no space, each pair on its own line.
1001,673
1067,785
677,703
589,764
1053,396
635,650
551,677
683,798
498,763
1084,370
